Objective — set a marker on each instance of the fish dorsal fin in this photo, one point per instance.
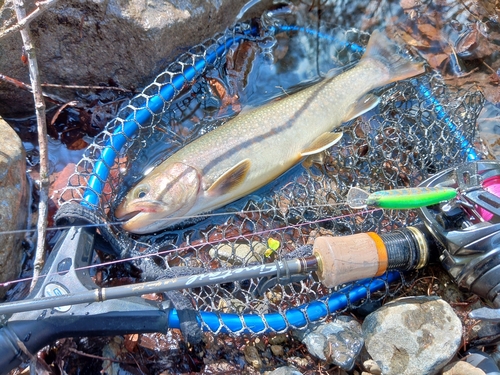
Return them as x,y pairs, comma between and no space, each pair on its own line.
324,141
231,178
363,105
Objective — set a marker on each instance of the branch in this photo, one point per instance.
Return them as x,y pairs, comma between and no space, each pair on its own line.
42,141
24,86
54,98
42,6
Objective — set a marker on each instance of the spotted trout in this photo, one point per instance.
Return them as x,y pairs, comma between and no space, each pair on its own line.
257,146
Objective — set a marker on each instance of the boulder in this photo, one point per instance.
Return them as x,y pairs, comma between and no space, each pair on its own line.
13,209
412,335
126,43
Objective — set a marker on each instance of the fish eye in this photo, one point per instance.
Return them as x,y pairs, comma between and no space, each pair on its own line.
141,191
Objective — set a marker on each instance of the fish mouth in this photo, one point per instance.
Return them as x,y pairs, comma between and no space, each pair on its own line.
127,216
126,212
140,218
140,222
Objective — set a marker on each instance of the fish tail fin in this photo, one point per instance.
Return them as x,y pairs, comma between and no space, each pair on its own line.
383,50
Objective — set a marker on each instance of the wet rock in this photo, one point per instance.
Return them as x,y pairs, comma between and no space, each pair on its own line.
101,41
280,338
112,352
252,356
259,344
220,367
285,370
13,210
298,361
482,360
462,368
316,344
339,342
413,335
372,367
277,350
483,331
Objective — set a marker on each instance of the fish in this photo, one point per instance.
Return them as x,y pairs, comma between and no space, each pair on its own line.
259,145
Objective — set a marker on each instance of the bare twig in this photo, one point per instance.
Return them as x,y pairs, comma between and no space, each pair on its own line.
54,98
42,6
42,141
99,357
24,86
83,87
62,108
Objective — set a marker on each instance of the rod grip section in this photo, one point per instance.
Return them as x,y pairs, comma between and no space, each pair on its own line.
349,258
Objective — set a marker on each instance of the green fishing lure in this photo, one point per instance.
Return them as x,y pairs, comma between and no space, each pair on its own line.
399,199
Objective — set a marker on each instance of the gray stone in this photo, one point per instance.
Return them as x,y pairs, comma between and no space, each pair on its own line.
462,368
345,341
372,367
316,344
91,42
413,335
239,253
285,370
339,342
252,356
13,210
280,338
277,350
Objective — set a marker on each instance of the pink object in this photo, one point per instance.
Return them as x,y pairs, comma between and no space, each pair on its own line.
492,185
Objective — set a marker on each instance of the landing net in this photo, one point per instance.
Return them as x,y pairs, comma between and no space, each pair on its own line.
420,127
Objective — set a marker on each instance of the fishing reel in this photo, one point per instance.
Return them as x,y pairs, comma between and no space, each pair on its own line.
467,229
464,230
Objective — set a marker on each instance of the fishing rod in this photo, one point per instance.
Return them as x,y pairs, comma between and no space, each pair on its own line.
76,311
336,261
405,198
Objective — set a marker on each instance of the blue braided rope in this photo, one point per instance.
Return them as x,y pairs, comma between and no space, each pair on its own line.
294,317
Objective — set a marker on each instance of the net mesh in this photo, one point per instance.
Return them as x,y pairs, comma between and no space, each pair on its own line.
399,144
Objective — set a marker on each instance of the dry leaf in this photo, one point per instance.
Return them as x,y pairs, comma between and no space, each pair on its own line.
436,61
430,32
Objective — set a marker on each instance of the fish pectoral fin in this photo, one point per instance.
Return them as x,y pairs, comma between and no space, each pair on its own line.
318,158
230,179
324,141
363,105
